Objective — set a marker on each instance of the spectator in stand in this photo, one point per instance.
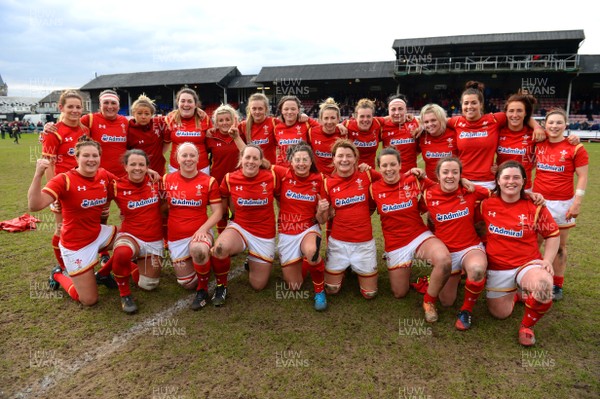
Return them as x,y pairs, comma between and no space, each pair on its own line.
557,161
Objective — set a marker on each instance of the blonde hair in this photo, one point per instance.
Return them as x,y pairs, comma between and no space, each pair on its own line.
143,101
329,104
225,109
557,111
364,103
62,100
438,112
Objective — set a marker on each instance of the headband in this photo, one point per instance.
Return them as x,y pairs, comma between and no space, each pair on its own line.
109,96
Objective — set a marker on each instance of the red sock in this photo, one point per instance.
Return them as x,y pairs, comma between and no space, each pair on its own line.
102,253
221,269
67,284
305,268
203,272
317,273
558,281
534,310
472,291
56,249
429,298
107,268
135,273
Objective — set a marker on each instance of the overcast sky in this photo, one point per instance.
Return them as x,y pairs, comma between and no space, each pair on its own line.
56,44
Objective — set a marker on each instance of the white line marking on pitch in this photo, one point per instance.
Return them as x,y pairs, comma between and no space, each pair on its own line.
70,367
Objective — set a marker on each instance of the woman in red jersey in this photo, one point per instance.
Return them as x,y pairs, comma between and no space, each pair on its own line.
140,236
259,127
398,132
557,161
321,138
59,148
437,141
477,135
224,146
146,132
405,235
351,243
189,193
452,211
249,193
365,131
302,208
188,123
82,193
290,130
513,223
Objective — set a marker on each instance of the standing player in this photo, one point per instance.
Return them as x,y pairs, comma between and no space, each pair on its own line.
397,132
321,138
452,211
59,148
514,260
224,146
189,193
365,131
249,193
557,162
516,138
188,123
290,131
351,243
259,127
405,235
82,192
146,132
477,135
437,141
301,211
140,237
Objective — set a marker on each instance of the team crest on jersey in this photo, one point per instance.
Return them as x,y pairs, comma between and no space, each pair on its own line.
359,182
525,139
199,189
523,219
461,198
450,140
266,129
314,186
103,183
407,192
563,154
298,131
264,187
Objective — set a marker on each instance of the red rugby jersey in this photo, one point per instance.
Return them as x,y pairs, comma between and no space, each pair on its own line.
224,155
263,135
61,146
366,142
140,208
349,197
81,199
555,168
399,137
298,200
150,139
398,208
187,132
517,146
188,199
252,200
434,148
321,144
112,136
286,136
477,143
453,215
512,230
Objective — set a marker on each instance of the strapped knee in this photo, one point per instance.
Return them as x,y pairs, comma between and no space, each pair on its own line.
368,294
188,282
333,288
148,283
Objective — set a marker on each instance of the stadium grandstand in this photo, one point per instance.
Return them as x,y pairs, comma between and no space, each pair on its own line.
546,64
